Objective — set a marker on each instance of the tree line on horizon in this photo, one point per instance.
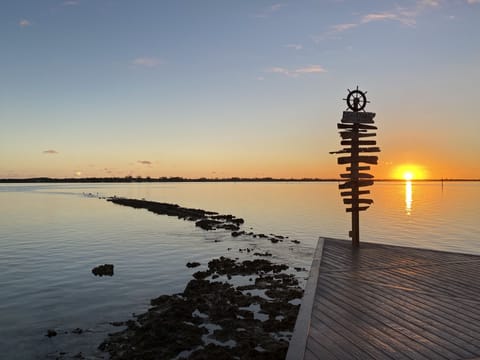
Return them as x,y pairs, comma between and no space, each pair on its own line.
131,179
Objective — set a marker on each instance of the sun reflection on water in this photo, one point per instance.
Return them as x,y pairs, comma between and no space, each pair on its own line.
408,197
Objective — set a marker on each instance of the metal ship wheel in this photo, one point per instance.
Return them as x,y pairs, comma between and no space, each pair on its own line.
356,100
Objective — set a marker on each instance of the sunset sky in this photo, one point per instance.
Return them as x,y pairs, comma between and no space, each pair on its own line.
235,88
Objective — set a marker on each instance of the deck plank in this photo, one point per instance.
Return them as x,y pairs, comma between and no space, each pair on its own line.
390,302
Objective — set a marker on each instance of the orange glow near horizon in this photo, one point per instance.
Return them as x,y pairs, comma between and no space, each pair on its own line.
410,172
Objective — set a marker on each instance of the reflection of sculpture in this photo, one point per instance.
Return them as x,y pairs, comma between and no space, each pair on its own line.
355,127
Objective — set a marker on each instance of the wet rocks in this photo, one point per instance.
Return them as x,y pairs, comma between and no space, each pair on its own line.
103,270
207,224
163,208
206,220
177,323
51,333
193,264
266,254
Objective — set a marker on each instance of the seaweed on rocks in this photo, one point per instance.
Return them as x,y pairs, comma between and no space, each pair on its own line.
213,319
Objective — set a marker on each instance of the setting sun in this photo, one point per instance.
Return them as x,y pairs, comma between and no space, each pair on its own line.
409,172
408,175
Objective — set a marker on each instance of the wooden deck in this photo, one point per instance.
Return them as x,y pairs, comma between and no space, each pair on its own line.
388,302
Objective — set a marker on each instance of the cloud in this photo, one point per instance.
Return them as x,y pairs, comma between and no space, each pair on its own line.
70,3
294,46
144,162
473,2
270,10
378,17
432,3
405,16
24,23
149,62
311,69
343,27
50,151
276,7
401,15
279,70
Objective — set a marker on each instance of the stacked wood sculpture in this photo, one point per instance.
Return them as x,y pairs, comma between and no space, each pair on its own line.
355,129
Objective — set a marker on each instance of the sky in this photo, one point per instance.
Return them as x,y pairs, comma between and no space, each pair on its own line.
201,88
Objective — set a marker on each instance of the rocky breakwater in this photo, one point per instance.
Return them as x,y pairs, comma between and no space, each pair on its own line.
230,310
207,220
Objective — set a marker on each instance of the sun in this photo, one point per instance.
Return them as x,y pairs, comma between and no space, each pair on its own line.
408,175
409,172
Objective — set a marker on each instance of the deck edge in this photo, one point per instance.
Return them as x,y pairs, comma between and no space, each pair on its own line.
298,343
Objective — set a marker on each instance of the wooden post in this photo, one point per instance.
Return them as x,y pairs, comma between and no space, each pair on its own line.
354,178
356,125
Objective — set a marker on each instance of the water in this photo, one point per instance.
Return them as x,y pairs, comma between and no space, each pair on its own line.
51,236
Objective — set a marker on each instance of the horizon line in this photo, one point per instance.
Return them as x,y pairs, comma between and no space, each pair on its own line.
204,179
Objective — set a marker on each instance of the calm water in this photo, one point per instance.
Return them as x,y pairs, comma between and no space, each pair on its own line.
51,236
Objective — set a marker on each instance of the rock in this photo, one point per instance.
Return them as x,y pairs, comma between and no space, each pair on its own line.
201,274
295,241
177,323
193,264
117,323
237,233
207,220
103,270
228,227
77,331
207,224
51,333
266,253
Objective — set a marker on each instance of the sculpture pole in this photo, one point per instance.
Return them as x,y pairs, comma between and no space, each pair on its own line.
355,126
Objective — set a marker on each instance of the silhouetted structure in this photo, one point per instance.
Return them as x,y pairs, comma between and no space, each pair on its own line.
355,127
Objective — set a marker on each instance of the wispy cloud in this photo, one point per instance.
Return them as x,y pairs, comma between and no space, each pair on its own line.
294,46
144,162
50,151
311,69
405,16
276,7
149,62
432,3
473,2
378,17
343,27
70,3
269,11
24,23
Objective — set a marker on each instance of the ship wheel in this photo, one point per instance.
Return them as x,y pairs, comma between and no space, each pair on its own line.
356,100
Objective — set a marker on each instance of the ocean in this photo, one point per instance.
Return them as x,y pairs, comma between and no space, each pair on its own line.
52,235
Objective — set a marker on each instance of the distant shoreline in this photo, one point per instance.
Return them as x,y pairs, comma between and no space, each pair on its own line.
130,179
